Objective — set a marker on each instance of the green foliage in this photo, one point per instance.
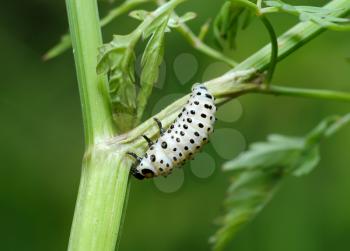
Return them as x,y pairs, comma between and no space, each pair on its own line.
260,170
151,60
226,23
318,15
117,59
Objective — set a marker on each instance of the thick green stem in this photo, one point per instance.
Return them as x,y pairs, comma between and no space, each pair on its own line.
103,186
86,37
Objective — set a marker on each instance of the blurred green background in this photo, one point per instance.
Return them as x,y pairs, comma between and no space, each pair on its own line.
42,143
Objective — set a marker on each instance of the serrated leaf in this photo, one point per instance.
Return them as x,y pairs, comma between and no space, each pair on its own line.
117,59
262,168
247,195
278,150
291,153
150,62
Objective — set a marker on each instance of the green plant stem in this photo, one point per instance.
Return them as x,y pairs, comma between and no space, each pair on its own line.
105,172
304,93
274,49
86,37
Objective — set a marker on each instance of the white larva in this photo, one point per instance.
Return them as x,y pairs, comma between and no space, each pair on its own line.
184,138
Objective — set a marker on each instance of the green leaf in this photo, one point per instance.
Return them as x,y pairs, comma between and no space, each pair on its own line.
319,15
260,170
117,59
226,23
151,60
247,195
297,156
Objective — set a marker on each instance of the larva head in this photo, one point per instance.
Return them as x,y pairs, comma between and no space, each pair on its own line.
145,169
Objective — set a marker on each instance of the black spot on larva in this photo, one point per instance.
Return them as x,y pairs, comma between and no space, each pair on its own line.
146,155
198,147
153,158
186,148
211,117
180,115
182,133
208,129
180,154
190,154
192,141
199,93
196,102
196,134
174,158
161,161
179,125
185,126
176,132
204,139
161,169
184,109
189,120
203,115
193,112
172,137
208,106
200,125
178,140
167,164
172,127
152,148
203,87
174,149
164,145
208,96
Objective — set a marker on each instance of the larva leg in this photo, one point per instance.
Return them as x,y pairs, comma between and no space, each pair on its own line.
150,143
134,155
161,129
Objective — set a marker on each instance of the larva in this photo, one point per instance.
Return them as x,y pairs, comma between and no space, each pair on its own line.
182,140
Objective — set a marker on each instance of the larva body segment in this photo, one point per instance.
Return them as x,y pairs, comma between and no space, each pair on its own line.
183,139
